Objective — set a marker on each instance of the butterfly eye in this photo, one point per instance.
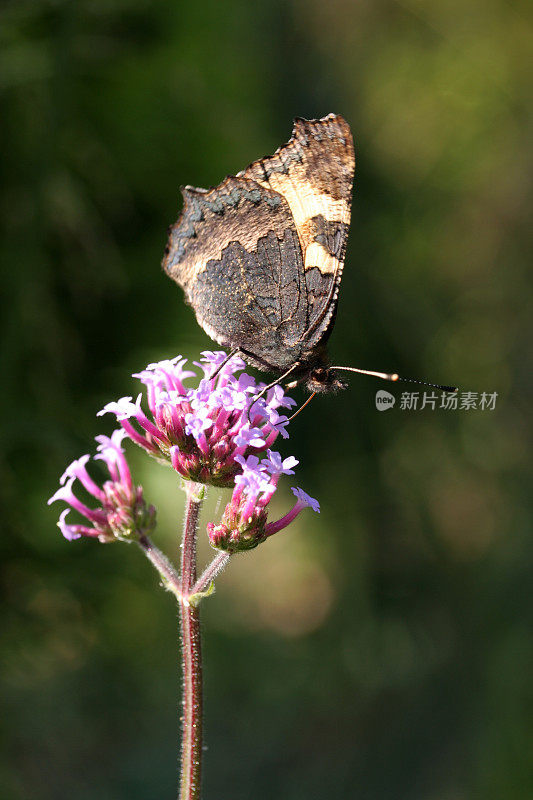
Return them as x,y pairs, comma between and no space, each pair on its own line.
320,374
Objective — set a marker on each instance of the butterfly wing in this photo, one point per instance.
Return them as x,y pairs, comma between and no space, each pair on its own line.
236,253
314,173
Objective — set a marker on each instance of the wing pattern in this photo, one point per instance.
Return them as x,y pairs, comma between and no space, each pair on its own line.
314,173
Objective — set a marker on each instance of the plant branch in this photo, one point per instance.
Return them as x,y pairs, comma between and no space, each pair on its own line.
167,572
209,574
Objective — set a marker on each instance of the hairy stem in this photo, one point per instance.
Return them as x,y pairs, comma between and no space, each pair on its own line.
191,720
210,572
168,574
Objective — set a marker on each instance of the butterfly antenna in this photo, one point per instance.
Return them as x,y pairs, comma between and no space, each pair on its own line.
214,374
386,376
269,386
302,407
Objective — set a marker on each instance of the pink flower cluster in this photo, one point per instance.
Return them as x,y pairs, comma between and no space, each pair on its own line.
244,522
217,433
204,431
122,512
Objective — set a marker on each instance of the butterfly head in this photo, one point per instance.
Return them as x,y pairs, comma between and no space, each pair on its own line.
323,379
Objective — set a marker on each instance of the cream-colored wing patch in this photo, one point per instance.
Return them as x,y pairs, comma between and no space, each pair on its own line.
314,173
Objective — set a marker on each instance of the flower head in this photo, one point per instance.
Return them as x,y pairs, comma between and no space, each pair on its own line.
203,432
218,432
244,523
121,511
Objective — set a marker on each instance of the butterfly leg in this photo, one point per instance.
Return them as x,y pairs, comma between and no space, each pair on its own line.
302,406
234,352
266,388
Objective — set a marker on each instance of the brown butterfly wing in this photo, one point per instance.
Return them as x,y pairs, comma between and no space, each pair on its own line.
236,253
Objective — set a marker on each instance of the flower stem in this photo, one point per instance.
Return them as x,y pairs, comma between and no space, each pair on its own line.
191,720
168,574
210,572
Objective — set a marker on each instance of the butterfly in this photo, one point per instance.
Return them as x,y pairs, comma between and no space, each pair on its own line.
260,256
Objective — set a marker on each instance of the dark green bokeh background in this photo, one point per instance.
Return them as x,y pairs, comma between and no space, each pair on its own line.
381,651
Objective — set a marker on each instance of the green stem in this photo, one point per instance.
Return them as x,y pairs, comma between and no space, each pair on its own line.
191,719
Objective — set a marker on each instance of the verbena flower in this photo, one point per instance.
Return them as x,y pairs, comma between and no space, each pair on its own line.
215,433
244,523
203,432
121,512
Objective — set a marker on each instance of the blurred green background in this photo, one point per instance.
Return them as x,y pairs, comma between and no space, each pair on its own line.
382,650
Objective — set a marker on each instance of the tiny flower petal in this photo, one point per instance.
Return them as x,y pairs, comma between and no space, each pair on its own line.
275,465
196,424
276,397
214,358
250,464
123,408
70,532
249,436
280,426
73,470
305,498
110,446
63,493
246,383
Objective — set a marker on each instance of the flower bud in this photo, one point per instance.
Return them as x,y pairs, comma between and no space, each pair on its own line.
234,534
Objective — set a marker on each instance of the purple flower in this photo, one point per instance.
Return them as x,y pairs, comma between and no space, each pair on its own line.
276,398
121,512
305,499
216,432
248,435
250,464
196,424
244,524
171,369
211,360
275,464
201,431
